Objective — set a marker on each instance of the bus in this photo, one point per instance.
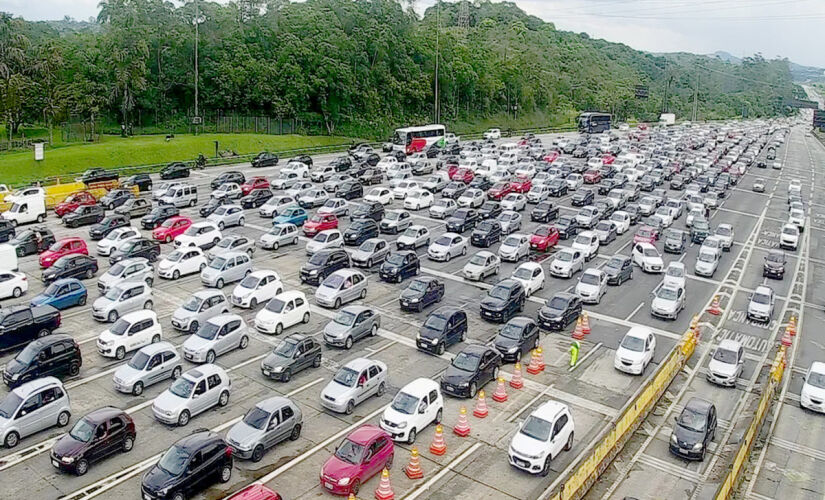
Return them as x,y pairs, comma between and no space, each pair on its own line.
593,122
414,139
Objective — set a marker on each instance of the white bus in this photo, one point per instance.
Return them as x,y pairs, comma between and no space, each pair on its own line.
414,139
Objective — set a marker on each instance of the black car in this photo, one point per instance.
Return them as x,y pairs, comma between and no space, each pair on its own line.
115,198
370,176
489,210
503,301
54,355
305,159
462,220
97,435
481,182
370,159
420,293
264,159
515,339
142,181
359,231
675,241
559,311
605,207
774,265
7,230
189,466
399,265
647,183
158,216
557,187
84,215
98,175
486,233
582,198
454,190
322,264
368,210
226,177
472,368
605,186
135,207
107,225
398,155
175,170
694,430
140,247
341,164
443,327
567,226
350,190
545,211
32,241
618,269
213,203
71,266
632,209
256,198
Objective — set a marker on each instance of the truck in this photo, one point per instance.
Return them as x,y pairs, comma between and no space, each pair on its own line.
21,324
667,119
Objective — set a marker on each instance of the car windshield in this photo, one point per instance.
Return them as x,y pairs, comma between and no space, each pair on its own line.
9,405
511,331
667,293
345,318
56,246
349,452
250,282
275,305
651,252
675,271
465,361
174,460
816,379
193,304
217,263
499,292
318,259
564,256
346,377
590,279
706,256
444,241
393,215
692,420
333,281
405,403
790,230
411,232
113,293
565,221
208,331
192,231
139,360
615,263
723,231
435,322
82,431
256,418
631,343
524,273
761,298
485,226
418,286
182,387
536,428
775,257
120,327
726,356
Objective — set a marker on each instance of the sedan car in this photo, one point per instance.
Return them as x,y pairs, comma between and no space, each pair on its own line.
592,286
668,302
399,266
726,363
694,430
340,287
514,248
545,211
149,365
135,207
567,262
447,246
182,262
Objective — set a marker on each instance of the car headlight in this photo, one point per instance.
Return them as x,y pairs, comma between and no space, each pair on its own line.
414,300
402,425
512,350
67,460
278,369
673,439
163,491
343,481
464,384
15,376
697,446
314,271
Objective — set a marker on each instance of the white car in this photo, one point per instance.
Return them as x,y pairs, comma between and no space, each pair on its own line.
538,193
181,262
635,351
526,170
567,262
693,215
258,287
812,396
797,217
760,304
795,186
726,364
675,275
329,238
481,265
574,181
707,261
724,233
200,234
712,244
588,243
381,195
789,237
13,284
414,407
386,162
665,215
230,190
531,276
283,311
472,198
648,258
592,286
542,437
299,168
514,201
514,247
335,206
418,199
621,221
129,333
274,205
492,134
668,302
447,246
443,208
298,187
116,238
405,188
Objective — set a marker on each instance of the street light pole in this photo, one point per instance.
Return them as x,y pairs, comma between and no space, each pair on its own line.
437,49
197,39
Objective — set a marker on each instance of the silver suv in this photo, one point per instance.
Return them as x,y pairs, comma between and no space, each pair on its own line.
227,268
135,269
217,336
150,365
265,425
123,298
31,408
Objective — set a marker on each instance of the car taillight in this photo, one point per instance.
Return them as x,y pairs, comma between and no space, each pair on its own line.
228,451
25,278
59,318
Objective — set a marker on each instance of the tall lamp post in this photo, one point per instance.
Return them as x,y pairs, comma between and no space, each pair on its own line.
196,120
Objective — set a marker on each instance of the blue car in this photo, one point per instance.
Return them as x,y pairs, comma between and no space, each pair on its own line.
62,294
291,215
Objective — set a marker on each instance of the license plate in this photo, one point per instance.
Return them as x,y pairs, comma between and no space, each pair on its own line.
684,450
54,462
187,356
146,497
327,485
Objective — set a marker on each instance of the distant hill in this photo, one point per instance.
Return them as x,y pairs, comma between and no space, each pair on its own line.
799,73
726,57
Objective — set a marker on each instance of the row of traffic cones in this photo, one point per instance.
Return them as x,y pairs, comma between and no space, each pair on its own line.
582,326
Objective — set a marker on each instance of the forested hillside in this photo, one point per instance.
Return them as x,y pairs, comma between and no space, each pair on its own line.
352,67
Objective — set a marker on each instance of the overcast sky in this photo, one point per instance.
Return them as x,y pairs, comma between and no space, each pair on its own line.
789,28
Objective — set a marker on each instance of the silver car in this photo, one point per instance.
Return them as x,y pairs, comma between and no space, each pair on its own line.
311,198
371,252
232,243
150,365
227,268
135,270
265,425
481,265
510,221
227,216
514,247
217,336
192,393
414,237
30,414
274,205
443,208
447,246
340,287
121,299
198,309
350,324
353,384
280,234
395,221
337,206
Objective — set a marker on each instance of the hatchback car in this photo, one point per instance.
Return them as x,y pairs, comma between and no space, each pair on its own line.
761,304
517,337
131,332
726,363
352,323
417,405
694,430
447,246
56,355
567,262
134,248
514,248
226,268
322,264
362,454
294,354
263,426
592,286
668,301
76,266
413,237
35,406
283,311
443,327
542,437
774,265
341,287
149,365
120,299
194,392
635,351
353,384
107,225
559,311
618,269
95,436
503,301
420,293
471,369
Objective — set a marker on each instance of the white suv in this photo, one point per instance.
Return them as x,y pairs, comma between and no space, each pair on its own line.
417,405
542,437
789,238
129,333
635,351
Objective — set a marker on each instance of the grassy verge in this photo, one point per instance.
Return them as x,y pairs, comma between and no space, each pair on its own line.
114,152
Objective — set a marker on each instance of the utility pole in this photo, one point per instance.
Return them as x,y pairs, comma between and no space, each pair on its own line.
196,118
437,49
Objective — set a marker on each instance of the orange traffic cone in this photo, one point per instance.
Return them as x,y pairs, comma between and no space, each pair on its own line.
413,469
517,382
462,428
585,323
540,358
715,308
578,333
792,326
438,446
481,411
352,497
500,395
786,338
384,491
534,368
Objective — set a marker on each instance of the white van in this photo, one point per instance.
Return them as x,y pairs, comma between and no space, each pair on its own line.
27,210
25,194
8,257
182,195
508,147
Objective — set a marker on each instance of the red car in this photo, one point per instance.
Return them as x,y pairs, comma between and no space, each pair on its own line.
642,126
462,174
500,190
551,156
253,184
73,201
65,246
320,222
171,227
545,238
361,455
646,234
255,492
608,159
592,176
521,184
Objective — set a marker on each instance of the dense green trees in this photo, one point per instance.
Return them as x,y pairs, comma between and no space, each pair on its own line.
355,67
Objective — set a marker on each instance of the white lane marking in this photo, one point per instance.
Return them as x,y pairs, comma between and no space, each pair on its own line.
635,311
443,472
584,358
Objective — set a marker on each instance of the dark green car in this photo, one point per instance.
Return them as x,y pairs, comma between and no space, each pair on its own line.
699,230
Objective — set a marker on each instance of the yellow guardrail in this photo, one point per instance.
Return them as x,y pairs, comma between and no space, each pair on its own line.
590,468
59,192
728,486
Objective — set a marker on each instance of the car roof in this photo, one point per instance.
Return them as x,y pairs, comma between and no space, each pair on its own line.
273,403
359,364
641,332
197,439
365,434
549,410
157,347
290,294
420,386
529,265
24,390
357,309
139,314
202,371
763,289
698,404
731,345
520,321
105,413
203,294
818,367
63,281
345,273
475,349
222,319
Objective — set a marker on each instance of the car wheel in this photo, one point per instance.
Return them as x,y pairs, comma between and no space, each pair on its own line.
226,473
279,328
82,467
258,453
363,293
316,362
305,319
348,343
128,444
440,349
350,408
221,226
193,327
147,305
120,353
295,241
356,487
473,390
176,372
296,433
112,317
569,445
464,251
219,283
381,389
12,439
82,301
244,342
210,357
137,389
63,419
546,469
411,436
241,221
337,303
224,399
149,281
